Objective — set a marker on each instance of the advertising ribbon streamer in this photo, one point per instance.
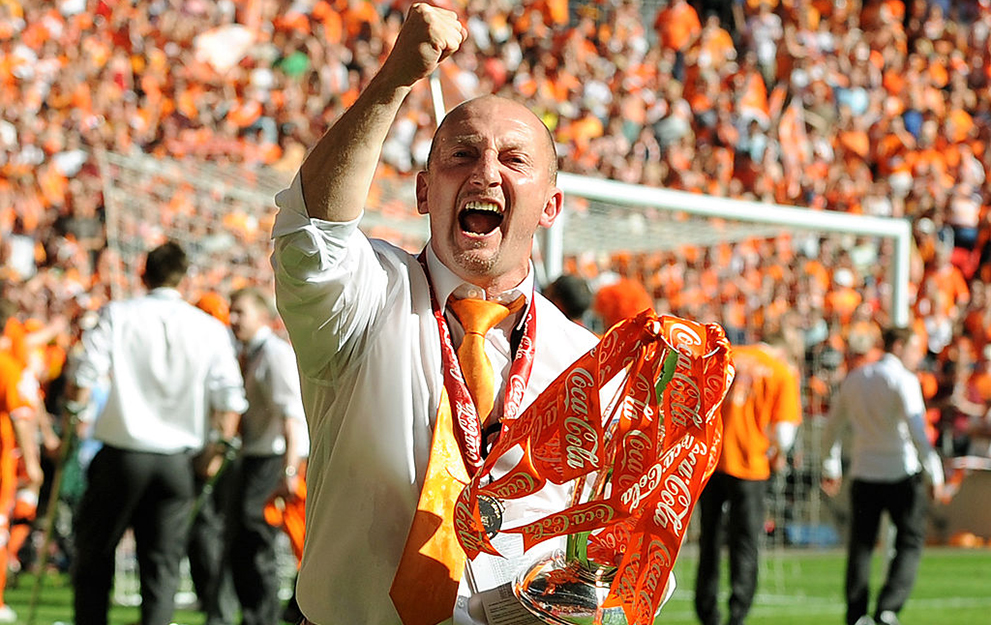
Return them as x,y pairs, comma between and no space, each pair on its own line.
638,459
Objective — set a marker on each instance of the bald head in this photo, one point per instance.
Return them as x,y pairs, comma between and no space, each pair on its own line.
497,105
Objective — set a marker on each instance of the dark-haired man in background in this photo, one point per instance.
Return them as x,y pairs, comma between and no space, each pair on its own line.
882,403
571,294
173,379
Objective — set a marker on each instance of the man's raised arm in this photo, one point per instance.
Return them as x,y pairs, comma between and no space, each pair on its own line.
337,173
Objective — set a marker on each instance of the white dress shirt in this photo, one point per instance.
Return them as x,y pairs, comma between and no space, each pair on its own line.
882,401
169,364
359,315
272,387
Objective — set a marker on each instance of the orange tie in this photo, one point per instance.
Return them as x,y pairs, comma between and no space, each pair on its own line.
477,317
425,587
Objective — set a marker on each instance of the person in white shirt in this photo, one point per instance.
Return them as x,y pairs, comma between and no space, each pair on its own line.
174,380
273,444
370,322
882,402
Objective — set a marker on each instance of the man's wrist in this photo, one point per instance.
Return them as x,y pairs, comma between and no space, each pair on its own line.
234,442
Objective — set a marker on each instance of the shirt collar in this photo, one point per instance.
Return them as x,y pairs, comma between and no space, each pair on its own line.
260,337
165,292
891,358
446,283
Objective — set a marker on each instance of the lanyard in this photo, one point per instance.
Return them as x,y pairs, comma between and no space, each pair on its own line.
467,425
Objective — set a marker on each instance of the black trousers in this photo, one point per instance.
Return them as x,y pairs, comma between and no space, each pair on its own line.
210,572
153,494
906,504
251,540
744,503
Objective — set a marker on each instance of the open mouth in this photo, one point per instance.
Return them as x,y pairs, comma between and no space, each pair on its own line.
480,218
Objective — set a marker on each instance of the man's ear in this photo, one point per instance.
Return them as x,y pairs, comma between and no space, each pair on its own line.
552,208
421,193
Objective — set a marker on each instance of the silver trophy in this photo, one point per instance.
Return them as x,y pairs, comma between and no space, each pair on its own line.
567,592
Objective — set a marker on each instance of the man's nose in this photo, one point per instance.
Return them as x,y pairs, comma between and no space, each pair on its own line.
486,170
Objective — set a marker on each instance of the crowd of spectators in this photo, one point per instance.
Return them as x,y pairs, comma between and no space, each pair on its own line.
875,107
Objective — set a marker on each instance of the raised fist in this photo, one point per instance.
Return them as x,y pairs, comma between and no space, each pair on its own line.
429,35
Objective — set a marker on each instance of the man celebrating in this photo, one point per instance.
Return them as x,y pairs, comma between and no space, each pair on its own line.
408,363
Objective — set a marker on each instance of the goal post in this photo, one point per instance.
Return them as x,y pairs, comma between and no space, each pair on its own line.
756,216
226,215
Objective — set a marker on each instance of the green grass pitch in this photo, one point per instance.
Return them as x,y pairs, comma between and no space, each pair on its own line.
796,586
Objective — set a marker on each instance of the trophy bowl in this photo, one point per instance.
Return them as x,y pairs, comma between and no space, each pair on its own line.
565,592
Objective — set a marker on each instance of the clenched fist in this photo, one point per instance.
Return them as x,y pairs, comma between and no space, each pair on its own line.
429,35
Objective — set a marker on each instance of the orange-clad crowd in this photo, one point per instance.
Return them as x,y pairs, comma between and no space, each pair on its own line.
875,107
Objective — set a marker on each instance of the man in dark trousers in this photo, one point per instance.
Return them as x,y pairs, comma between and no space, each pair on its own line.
273,445
761,414
882,402
172,375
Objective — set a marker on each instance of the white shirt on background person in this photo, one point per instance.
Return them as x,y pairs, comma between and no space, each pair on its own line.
169,366
272,388
882,401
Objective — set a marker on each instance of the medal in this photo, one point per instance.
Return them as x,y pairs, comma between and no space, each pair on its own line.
490,511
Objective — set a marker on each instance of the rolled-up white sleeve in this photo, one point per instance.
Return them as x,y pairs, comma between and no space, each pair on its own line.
329,285
225,386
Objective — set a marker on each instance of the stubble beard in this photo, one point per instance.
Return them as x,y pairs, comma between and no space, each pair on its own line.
476,262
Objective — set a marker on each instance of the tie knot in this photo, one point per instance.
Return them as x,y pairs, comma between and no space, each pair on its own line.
478,316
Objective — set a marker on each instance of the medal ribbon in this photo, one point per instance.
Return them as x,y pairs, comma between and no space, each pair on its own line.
467,425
